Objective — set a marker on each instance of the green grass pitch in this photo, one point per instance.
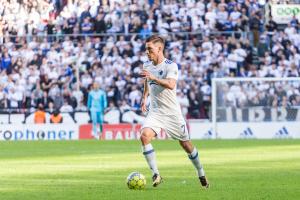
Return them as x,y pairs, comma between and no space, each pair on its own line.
236,169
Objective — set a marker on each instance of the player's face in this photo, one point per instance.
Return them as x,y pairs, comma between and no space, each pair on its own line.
152,50
95,86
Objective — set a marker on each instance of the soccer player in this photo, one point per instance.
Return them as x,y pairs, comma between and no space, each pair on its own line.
160,76
96,104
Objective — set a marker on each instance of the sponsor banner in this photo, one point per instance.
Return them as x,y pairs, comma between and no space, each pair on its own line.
242,130
259,130
116,132
38,132
198,130
258,114
201,129
283,13
70,132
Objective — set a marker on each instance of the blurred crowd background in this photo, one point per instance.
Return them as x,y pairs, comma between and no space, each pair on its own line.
51,51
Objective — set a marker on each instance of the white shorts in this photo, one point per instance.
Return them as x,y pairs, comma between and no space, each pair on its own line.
173,125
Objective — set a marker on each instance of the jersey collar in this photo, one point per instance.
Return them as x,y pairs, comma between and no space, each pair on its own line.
158,65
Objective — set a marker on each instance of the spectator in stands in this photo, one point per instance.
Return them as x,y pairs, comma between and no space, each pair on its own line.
87,26
45,100
37,94
15,98
77,94
255,27
3,100
271,25
184,103
100,25
194,105
6,62
222,17
135,97
295,100
81,107
58,100
295,23
206,96
145,32
40,115
50,107
66,107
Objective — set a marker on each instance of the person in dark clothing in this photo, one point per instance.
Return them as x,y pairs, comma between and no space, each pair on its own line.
271,25
255,27
71,22
194,105
100,26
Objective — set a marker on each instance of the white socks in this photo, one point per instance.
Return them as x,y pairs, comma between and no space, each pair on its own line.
196,162
149,154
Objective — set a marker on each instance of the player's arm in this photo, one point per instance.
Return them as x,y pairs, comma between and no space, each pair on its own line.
169,82
144,97
146,89
104,101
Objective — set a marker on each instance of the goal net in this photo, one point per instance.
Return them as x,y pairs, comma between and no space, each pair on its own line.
256,107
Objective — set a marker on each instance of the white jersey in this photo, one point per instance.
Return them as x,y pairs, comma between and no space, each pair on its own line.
165,112
163,100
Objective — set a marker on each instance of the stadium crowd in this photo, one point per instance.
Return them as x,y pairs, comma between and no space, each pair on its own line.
259,93
41,63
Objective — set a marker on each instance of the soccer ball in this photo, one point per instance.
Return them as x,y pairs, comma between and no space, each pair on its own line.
136,181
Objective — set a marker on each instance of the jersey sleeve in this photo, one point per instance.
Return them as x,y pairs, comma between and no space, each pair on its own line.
172,71
104,100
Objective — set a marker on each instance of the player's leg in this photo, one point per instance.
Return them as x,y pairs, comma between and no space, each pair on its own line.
147,134
100,121
194,157
94,124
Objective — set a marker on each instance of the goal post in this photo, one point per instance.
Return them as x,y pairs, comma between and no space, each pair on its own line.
255,107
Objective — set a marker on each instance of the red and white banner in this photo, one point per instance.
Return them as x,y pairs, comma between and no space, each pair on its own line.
116,132
10,132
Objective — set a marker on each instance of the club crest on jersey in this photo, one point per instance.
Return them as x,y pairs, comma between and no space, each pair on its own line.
160,72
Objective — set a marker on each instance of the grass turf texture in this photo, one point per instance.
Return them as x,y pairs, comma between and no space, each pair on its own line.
237,169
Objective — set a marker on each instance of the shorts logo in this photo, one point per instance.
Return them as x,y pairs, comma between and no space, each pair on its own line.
183,128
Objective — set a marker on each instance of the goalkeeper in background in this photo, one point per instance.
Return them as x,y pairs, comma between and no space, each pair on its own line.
96,104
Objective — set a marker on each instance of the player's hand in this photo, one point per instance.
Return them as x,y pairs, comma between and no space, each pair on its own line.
148,75
144,106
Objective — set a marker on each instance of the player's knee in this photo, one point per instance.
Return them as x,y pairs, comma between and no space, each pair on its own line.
143,139
146,135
